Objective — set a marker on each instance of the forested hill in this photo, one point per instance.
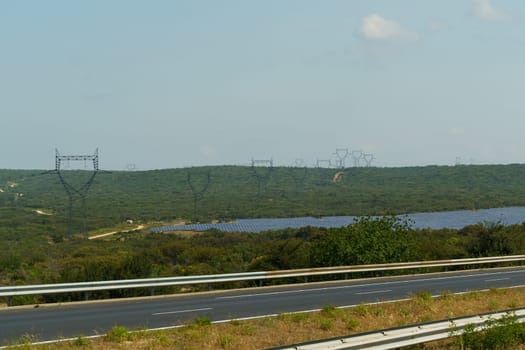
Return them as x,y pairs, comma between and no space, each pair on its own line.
229,192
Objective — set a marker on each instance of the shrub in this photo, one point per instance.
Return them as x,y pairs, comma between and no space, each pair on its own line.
504,333
423,298
362,310
226,341
300,317
326,324
329,310
202,321
352,324
118,334
493,305
81,341
425,319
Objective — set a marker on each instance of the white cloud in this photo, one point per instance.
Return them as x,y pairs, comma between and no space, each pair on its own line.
485,10
376,27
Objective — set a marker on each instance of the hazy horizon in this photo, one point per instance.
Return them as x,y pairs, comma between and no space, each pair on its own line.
133,167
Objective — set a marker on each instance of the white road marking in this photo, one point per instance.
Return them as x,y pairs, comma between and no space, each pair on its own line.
366,285
283,292
497,279
374,292
182,311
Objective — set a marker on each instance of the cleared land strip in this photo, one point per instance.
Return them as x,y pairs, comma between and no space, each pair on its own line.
139,227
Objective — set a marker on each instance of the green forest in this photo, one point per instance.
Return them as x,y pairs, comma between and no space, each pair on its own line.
232,192
38,246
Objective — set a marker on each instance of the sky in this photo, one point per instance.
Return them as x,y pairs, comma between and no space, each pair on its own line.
172,83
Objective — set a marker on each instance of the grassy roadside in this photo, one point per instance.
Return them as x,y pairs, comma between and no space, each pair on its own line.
293,328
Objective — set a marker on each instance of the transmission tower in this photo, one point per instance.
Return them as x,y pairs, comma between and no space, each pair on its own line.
262,177
357,155
368,158
79,191
198,194
341,154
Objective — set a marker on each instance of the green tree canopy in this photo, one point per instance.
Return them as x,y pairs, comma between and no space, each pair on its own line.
369,240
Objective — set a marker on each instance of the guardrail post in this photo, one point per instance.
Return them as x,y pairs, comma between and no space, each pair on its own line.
9,301
260,283
305,279
152,291
86,295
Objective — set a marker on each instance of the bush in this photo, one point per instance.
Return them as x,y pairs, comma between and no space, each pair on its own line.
423,298
326,324
118,334
352,324
202,321
504,333
329,310
81,341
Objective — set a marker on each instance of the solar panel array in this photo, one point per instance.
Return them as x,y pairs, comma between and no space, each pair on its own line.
254,225
452,219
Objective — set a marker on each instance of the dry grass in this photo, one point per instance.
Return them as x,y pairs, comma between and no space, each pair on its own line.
294,328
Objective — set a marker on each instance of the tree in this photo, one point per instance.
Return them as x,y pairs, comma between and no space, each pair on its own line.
369,240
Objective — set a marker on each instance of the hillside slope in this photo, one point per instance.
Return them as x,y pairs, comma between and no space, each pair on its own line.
230,192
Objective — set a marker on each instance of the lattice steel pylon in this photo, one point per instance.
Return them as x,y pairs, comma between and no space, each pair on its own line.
341,154
357,155
368,157
198,194
262,177
73,191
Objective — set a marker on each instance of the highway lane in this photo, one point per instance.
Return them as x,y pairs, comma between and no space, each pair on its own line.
71,320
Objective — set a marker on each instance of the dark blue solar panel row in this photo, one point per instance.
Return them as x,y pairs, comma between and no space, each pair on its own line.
452,219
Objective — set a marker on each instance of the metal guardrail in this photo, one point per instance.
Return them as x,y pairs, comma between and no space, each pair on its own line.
10,291
406,336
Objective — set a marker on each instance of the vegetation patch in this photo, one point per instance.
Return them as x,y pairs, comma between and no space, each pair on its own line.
119,334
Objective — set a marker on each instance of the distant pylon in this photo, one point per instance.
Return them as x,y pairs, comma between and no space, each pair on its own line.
262,177
368,158
357,156
198,194
341,154
80,191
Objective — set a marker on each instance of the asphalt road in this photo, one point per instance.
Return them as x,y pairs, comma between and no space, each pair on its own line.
71,320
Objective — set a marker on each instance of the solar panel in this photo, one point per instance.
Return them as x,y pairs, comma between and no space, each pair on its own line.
452,219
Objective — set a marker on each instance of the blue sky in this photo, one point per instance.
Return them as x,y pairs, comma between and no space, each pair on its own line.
168,84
